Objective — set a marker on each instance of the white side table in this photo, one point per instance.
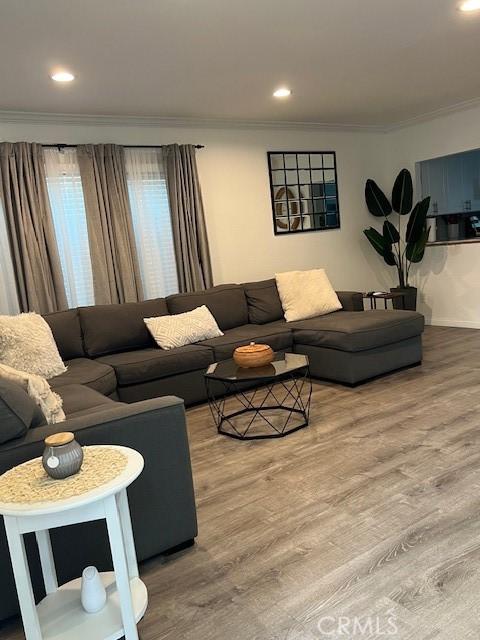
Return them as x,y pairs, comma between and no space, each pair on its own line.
60,616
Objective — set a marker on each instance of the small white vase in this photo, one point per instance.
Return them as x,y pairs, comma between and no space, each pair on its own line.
93,594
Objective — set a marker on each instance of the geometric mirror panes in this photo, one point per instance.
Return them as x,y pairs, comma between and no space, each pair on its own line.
304,191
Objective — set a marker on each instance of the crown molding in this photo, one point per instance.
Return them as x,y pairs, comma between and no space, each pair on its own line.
433,115
33,117
75,119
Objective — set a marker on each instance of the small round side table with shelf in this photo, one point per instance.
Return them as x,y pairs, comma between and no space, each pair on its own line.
60,616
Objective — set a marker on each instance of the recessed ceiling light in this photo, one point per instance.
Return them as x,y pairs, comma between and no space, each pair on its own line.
282,92
470,5
62,76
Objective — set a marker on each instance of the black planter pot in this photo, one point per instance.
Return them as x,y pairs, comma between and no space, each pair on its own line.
409,299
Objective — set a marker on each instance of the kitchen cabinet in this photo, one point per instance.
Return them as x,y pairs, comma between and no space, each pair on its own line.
452,182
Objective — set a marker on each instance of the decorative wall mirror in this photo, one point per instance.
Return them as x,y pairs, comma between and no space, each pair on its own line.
304,192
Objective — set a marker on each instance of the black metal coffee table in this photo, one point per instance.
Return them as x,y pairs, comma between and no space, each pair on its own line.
264,402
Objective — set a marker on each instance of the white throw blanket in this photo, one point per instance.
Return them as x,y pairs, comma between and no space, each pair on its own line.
39,390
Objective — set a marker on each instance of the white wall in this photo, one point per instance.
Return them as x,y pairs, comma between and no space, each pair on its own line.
449,276
234,177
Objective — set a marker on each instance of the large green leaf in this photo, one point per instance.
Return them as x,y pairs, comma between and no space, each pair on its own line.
390,232
389,256
417,220
381,245
376,239
377,202
416,250
402,193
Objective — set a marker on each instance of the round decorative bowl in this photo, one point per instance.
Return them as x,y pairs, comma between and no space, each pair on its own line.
63,456
253,355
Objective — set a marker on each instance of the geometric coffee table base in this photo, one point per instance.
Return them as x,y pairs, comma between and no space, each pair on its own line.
273,410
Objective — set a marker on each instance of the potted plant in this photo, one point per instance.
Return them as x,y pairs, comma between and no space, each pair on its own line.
399,247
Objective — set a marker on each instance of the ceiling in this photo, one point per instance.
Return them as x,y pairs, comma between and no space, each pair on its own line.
366,62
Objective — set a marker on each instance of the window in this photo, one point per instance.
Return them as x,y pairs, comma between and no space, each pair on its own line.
8,291
152,223
68,211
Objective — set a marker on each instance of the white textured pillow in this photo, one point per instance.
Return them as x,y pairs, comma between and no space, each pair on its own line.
27,344
37,388
305,294
183,328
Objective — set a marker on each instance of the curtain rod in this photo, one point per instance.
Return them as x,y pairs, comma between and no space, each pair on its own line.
127,146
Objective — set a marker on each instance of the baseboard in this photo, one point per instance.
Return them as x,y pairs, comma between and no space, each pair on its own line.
462,324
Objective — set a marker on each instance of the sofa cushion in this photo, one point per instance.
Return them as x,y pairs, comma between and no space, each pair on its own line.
263,301
134,367
92,373
65,326
110,328
80,400
276,334
18,412
227,304
358,330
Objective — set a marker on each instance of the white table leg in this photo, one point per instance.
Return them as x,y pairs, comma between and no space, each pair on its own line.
23,582
128,541
47,561
120,567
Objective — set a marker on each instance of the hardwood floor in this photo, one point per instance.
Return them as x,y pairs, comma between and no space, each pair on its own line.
370,514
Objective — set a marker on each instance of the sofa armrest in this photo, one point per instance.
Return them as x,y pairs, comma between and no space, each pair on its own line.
104,426
162,501
351,300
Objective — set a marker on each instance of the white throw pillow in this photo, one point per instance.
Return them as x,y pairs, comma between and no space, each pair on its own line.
306,294
27,344
183,328
37,388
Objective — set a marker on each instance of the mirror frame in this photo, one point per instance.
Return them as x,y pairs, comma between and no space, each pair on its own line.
297,201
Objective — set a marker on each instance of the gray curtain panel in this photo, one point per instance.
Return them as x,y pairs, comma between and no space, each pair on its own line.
116,273
23,190
188,220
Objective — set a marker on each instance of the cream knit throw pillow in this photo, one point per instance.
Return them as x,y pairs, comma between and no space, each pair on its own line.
37,388
27,344
183,328
306,294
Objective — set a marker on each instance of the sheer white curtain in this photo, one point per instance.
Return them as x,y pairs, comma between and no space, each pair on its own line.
68,210
8,290
152,224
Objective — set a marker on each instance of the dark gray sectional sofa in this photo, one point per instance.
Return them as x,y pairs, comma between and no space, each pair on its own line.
109,349
119,385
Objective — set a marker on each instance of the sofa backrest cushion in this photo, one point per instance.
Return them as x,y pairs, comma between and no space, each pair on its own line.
263,301
65,326
111,328
227,303
18,412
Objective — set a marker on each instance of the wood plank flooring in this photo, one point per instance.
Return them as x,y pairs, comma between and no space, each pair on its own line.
370,514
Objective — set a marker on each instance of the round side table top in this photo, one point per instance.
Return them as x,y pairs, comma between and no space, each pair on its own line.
127,466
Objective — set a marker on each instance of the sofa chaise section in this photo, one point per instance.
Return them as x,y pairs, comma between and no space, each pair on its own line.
352,347
348,346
